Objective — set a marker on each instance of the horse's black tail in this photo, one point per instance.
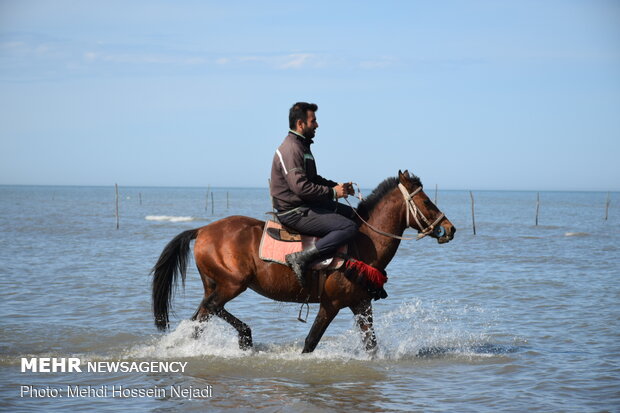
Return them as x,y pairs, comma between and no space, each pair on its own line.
171,262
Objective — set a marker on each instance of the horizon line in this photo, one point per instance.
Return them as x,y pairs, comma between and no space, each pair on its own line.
266,187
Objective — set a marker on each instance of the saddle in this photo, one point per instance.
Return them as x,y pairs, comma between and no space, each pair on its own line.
278,241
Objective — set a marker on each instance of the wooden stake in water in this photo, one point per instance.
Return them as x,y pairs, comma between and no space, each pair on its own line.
117,219
435,202
207,201
212,203
473,219
537,206
607,206
269,191
140,196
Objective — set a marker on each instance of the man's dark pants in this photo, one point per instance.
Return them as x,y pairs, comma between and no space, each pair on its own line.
332,222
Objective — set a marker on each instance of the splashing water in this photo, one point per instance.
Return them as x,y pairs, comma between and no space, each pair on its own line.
414,329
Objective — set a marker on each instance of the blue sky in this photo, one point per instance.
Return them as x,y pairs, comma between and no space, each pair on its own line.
518,95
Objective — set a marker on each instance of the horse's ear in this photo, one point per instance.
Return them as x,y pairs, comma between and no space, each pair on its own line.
402,176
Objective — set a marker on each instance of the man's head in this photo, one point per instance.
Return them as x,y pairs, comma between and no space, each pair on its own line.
302,119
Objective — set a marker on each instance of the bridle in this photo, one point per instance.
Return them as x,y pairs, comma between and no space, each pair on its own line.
415,212
412,210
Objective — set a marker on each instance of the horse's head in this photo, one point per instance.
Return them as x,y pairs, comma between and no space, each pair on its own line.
422,214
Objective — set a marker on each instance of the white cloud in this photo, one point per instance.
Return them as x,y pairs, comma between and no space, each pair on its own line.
143,58
297,60
379,63
91,56
291,61
12,45
81,56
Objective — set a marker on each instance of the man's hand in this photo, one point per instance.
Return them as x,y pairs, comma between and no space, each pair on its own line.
344,190
349,187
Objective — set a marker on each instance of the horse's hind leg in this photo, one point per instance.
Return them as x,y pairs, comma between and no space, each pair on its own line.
363,317
202,314
245,333
213,304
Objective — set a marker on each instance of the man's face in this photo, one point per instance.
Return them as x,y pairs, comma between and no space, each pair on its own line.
308,128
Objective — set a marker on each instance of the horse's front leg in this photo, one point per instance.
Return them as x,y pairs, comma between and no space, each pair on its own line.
363,317
324,317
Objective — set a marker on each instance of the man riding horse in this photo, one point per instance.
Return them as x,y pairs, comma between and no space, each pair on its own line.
304,200
227,256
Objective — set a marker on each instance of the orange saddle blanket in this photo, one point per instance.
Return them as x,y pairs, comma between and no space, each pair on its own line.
275,250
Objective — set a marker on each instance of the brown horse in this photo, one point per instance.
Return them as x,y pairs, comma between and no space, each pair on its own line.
226,254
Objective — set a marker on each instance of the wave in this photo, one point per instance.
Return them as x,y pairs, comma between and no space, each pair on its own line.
576,234
168,218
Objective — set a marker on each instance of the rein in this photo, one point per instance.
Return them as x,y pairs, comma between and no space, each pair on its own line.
411,209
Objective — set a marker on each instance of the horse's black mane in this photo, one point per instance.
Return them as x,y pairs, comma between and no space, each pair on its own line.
370,202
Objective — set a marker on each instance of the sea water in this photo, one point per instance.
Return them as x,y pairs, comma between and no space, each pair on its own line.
517,317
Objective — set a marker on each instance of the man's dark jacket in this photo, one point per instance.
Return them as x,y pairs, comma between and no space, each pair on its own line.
294,180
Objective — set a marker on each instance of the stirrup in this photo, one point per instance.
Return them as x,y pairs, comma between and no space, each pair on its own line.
303,320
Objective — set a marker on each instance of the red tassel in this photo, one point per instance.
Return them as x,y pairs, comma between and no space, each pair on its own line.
373,275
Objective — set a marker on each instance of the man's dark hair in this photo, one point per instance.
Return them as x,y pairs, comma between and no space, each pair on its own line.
299,111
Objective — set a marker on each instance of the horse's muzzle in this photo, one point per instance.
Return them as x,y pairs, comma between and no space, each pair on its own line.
444,233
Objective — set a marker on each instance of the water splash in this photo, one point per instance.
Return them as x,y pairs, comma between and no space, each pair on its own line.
215,339
414,329
421,329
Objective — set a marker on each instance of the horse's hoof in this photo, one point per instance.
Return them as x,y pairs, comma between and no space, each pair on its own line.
245,345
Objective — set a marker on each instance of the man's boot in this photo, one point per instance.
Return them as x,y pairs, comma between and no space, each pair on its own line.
299,262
